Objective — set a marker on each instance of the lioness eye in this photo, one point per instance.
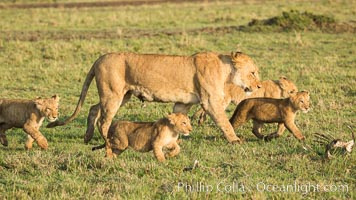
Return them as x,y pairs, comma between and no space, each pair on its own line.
301,101
184,123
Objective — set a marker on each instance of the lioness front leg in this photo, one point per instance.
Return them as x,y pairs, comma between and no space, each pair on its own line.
174,149
280,130
218,115
36,135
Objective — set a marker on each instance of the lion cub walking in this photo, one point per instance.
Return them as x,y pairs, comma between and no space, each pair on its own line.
147,136
281,88
29,115
268,110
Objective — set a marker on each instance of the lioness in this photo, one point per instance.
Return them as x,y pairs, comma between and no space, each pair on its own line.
147,136
268,110
186,80
281,88
29,115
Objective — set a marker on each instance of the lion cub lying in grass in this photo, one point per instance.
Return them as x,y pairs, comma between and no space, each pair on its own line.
29,115
268,110
147,136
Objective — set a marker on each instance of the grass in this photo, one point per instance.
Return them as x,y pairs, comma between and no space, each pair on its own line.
322,63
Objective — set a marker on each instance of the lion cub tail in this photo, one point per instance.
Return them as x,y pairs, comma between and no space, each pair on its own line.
98,147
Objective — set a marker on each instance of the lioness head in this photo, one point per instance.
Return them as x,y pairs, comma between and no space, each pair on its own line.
301,101
180,123
245,73
287,86
48,107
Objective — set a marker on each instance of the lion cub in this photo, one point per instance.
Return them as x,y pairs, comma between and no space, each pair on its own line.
147,136
268,110
281,88
29,115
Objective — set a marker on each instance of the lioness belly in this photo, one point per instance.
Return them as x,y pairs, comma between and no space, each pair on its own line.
161,78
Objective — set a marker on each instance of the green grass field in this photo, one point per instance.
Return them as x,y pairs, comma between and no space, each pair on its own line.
49,51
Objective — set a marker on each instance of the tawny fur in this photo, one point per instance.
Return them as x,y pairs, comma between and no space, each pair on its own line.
281,88
28,115
268,110
186,80
147,136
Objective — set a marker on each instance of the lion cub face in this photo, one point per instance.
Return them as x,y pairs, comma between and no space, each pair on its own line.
180,123
48,107
245,74
287,86
301,101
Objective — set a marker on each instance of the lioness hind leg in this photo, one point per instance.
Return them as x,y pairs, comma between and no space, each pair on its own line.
200,115
257,127
280,130
181,108
93,116
109,107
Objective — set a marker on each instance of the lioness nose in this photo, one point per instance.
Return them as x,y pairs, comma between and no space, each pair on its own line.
248,89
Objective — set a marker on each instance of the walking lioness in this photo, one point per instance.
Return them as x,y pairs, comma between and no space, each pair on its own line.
185,80
29,115
147,136
268,110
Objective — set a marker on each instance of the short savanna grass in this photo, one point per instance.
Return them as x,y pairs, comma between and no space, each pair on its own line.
320,62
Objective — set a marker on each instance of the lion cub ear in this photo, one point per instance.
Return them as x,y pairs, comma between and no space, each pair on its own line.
55,97
38,102
171,119
281,82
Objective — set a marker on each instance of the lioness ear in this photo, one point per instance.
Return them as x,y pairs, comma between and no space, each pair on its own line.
234,57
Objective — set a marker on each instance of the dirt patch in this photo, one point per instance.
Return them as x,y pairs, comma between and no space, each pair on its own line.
288,21
105,34
299,21
93,4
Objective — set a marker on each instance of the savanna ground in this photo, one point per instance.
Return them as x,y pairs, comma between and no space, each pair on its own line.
50,50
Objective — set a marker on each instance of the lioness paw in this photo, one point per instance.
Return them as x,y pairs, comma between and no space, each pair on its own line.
42,142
